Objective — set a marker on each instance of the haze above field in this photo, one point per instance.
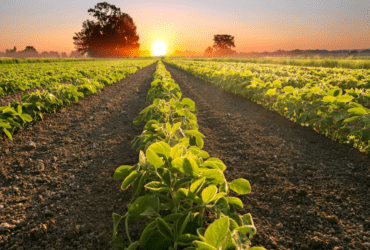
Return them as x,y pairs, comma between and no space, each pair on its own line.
257,26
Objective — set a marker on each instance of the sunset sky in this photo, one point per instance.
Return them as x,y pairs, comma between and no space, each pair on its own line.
256,25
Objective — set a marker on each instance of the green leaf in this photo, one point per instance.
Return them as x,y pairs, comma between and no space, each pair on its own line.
302,118
189,103
186,166
154,159
182,223
116,220
26,117
220,165
196,185
122,172
236,202
5,125
157,186
351,119
229,244
138,120
217,231
345,98
8,134
130,179
185,193
175,127
142,159
240,240
203,246
277,84
247,218
168,127
156,241
160,148
217,196
200,142
365,134
240,186
213,176
181,183
165,229
178,151
195,133
289,89
271,92
139,205
133,246
208,194
165,175
329,98
357,111
186,239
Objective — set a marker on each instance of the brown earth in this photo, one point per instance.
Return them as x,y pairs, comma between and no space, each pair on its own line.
61,194
308,192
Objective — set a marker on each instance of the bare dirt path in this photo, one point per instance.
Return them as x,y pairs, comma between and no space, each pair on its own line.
61,194
308,192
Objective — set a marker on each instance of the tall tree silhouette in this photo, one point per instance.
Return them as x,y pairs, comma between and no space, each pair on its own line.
113,34
223,44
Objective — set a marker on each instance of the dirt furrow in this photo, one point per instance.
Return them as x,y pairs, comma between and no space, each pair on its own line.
61,194
308,192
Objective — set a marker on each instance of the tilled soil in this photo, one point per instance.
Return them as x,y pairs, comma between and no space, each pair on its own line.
61,194
308,192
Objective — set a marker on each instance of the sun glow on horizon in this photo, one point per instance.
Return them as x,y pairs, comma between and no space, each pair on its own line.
159,49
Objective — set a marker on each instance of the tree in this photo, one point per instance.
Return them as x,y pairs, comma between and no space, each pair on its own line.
223,42
112,35
30,49
11,50
208,51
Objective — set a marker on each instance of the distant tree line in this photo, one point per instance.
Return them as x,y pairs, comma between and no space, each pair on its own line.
31,52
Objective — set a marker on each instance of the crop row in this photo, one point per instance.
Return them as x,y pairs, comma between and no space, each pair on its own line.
32,106
324,107
176,186
20,77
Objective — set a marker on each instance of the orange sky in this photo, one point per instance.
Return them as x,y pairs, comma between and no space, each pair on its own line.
256,25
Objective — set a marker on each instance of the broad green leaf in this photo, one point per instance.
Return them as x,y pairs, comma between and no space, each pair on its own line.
289,89
217,196
165,175
229,244
181,183
208,194
365,134
156,241
329,98
217,231
247,229
196,185
173,217
142,159
139,205
130,179
213,176
186,165
168,127
122,172
277,84
138,120
271,92
185,193
240,240
5,125
160,148
195,133
178,151
236,202
200,142
182,223
351,119
357,111
248,219
257,248
175,127
133,246
240,186
157,186
164,229
26,117
189,103
8,134
203,246
186,239
345,98
302,118
154,159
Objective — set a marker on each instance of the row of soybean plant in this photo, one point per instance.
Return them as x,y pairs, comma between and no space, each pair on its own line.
32,106
340,114
176,187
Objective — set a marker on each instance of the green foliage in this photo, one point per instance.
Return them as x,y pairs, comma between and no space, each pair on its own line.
334,102
179,184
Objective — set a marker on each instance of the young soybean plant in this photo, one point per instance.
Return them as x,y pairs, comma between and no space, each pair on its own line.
180,186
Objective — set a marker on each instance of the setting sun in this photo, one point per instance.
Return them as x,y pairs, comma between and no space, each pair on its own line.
159,49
